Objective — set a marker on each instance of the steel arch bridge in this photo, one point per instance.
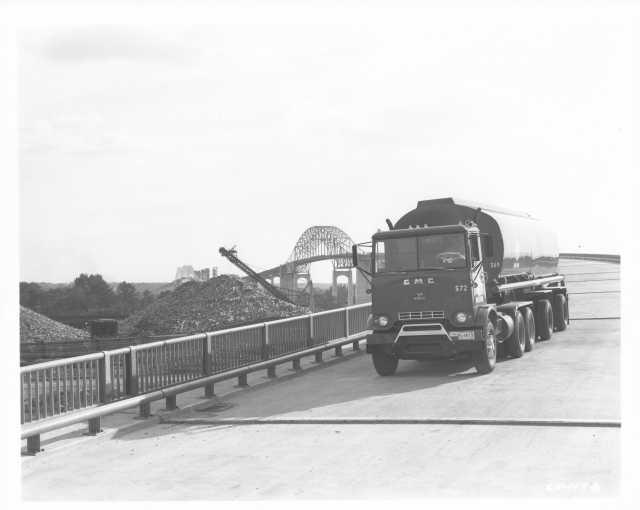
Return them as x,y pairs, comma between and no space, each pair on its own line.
320,242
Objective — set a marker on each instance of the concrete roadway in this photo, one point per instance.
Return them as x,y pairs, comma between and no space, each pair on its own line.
187,455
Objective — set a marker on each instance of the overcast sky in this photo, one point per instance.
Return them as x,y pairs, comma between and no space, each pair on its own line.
143,148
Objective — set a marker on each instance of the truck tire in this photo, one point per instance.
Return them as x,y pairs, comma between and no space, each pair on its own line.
385,364
560,312
530,329
517,341
544,319
484,359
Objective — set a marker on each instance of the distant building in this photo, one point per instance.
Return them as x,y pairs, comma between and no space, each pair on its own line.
188,273
202,275
184,272
214,272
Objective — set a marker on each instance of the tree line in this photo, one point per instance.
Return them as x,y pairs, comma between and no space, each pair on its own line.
88,295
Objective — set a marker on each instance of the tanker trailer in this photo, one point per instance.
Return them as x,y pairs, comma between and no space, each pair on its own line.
453,277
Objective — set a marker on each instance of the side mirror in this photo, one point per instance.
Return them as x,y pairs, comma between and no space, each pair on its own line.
354,255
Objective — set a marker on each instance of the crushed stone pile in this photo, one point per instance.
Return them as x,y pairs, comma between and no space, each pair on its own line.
197,307
36,328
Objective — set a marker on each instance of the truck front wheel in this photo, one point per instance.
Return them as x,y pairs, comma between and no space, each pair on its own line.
484,359
385,364
544,319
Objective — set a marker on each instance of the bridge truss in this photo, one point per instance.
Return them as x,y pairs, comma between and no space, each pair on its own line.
321,242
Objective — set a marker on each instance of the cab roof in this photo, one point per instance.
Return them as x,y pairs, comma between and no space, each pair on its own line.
414,232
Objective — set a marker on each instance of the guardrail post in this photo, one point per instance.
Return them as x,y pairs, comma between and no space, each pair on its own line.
105,387
106,383
33,444
311,331
131,369
242,380
318,357
338,350
346,322
271,372
296,364
207,363
356,345
94,426
145,410
265,341
170,403
133,384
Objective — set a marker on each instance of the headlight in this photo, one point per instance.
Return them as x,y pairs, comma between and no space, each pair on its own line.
461,317
381,320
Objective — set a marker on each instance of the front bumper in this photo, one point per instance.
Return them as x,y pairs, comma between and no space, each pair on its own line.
424,340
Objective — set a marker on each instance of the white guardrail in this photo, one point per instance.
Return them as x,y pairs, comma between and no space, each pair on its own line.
58,393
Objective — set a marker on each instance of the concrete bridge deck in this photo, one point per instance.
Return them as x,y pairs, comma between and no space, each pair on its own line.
329,453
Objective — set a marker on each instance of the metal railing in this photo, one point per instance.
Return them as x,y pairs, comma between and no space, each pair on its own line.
58,393
61,386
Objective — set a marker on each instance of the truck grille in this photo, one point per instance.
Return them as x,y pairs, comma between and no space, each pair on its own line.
412,316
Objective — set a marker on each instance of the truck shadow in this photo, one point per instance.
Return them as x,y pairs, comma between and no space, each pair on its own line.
323,393
431,368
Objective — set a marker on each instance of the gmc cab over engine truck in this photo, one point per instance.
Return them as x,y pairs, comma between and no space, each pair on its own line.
452,277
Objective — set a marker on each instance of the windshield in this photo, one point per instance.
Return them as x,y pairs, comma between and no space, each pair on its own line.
441,251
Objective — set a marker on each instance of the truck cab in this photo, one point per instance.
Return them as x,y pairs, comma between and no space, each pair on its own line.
428,296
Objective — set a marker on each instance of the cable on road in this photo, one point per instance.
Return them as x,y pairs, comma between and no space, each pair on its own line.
597,272
597,292
598,280
594,318
399,421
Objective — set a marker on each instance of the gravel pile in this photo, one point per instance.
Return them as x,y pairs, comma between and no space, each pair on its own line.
196,307
36,328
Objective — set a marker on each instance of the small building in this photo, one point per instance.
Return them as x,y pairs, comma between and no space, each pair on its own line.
103,327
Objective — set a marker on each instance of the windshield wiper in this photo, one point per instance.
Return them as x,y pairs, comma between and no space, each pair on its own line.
475,268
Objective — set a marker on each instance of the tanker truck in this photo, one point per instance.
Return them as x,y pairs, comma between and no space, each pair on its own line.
454,278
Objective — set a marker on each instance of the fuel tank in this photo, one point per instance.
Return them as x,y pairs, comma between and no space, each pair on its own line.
512,242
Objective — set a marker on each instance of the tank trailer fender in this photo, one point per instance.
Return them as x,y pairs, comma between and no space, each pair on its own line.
484,312
506,318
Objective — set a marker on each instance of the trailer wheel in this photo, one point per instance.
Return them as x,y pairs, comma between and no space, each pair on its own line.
544,319
560,312
530,328
517,341
484,359
385,364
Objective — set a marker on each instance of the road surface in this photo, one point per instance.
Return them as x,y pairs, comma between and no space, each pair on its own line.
189,454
